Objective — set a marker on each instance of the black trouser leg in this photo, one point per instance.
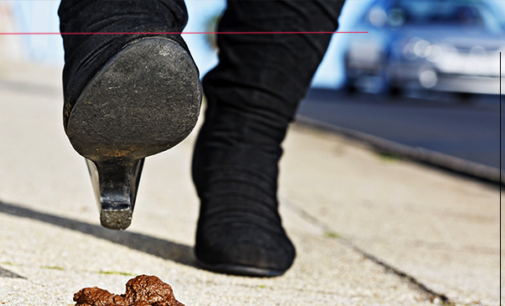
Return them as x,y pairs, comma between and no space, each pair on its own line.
86,54
252,96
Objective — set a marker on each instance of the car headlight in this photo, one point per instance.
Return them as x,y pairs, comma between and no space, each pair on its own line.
417,48
422,48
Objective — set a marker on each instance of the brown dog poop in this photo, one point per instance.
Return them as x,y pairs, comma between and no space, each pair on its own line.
142,290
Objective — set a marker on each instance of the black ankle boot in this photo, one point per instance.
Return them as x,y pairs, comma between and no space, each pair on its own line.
253,94
235,172
127,96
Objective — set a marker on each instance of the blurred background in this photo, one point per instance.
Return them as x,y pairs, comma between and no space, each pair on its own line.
425,76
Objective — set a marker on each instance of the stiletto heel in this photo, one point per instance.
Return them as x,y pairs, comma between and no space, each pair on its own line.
115,182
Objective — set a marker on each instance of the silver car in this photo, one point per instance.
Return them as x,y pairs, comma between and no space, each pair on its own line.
439,45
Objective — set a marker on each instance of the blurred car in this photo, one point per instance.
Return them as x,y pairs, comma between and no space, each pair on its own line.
440,45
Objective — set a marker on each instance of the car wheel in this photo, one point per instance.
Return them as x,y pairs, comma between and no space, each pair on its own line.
465,97
350,88
394,91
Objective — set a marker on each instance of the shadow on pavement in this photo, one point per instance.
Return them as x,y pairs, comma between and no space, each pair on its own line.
9,274
176,252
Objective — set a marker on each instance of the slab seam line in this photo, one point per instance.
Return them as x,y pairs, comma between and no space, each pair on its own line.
409,279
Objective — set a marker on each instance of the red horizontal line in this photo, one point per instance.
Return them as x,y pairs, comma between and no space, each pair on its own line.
165,33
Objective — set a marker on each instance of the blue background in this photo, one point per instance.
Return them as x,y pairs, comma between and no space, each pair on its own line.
41,16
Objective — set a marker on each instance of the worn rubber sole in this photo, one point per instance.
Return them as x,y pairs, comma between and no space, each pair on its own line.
145,100
240,270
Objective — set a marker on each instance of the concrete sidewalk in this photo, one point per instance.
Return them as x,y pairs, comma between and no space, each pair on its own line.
369,230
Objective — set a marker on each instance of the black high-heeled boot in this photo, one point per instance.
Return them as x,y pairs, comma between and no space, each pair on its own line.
127,96
235,172
252,96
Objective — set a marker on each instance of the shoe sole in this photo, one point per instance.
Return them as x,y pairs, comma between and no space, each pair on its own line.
145,100
240,270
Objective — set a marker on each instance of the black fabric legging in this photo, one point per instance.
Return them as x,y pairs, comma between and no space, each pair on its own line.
254,91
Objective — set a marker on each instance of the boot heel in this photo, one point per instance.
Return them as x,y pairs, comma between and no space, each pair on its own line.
115,182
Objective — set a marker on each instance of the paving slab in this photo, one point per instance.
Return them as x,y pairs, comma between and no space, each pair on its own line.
439,228
430,224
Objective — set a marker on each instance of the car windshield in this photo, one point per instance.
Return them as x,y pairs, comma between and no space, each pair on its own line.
469,12
396,13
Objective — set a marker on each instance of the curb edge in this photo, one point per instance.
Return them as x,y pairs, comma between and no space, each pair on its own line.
433,158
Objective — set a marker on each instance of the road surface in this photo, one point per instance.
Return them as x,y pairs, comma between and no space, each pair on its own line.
466,130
